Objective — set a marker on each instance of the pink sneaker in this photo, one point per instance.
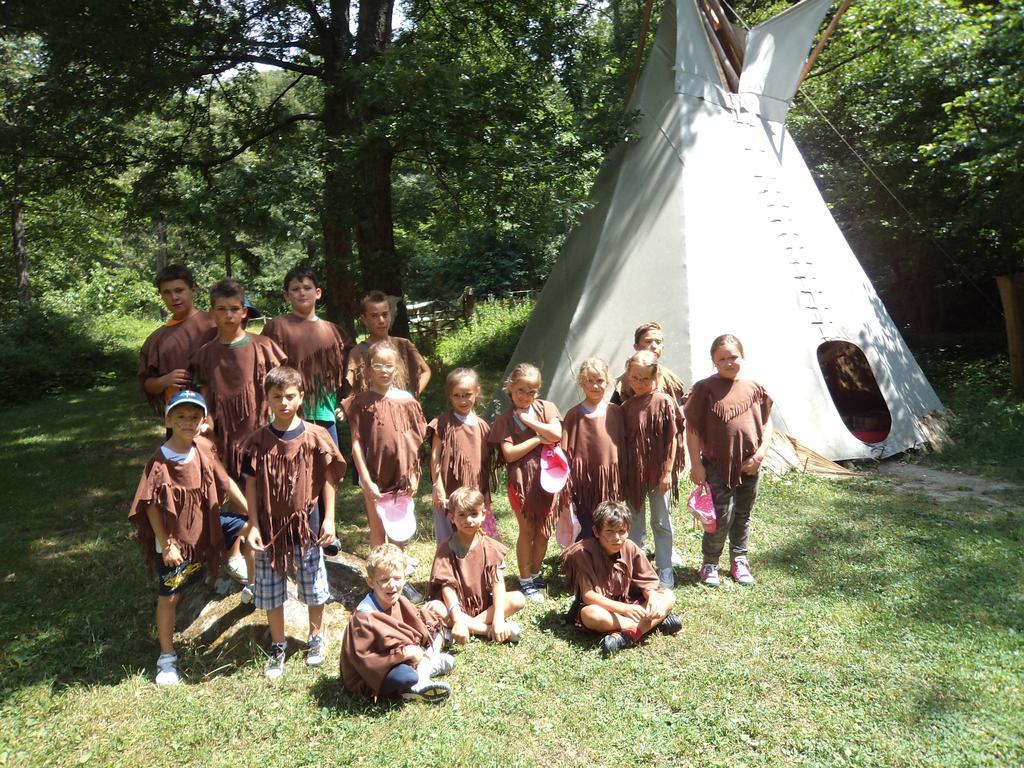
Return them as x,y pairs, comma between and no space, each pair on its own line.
740,572
709,575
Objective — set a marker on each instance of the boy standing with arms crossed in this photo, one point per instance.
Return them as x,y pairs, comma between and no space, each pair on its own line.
164,357
375,312
289,466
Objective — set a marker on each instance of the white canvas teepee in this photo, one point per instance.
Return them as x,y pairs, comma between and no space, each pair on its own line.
709,222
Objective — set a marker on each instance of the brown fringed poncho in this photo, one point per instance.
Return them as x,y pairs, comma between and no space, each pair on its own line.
170,347
231,378
466,456
652,424
290,476
189,496
730,417
668,382
472,577
318,349
408,375
390,431
524,475
595,444
374,642
626,576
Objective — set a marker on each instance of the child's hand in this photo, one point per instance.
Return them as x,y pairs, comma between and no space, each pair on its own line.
255,540
751,466
370,488
439,498
177,378
205,426
697,475
327,532
413,654
635,612
460,632
172,557
499,630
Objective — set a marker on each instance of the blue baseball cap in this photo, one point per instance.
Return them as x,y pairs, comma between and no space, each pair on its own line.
254,314
186,397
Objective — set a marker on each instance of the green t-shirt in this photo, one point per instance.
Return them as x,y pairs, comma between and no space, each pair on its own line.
320,408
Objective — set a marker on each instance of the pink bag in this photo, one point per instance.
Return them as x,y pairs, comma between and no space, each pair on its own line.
567,528
702,507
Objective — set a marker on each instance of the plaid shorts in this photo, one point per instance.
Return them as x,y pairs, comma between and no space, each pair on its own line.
311,576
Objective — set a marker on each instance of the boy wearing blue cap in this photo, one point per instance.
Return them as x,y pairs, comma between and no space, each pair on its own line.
176,515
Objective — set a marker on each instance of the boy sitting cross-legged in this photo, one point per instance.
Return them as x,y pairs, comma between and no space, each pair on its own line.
176,514
392,648
617,591
290,465
469,575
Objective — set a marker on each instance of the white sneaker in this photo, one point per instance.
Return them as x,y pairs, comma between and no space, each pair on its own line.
441,664
237,569
667,578
709,575
274,667
167,669
677,559
514,632
247,595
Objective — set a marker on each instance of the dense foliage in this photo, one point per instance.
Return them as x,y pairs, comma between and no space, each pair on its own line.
433,146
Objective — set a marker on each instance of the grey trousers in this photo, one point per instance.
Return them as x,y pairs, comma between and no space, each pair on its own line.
661,525
732,510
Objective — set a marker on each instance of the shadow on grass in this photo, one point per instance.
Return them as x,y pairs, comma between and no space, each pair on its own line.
933,558
330,693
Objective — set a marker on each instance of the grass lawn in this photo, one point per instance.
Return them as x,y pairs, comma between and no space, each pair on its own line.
886,629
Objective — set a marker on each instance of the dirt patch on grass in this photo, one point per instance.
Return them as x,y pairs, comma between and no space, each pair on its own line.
953,487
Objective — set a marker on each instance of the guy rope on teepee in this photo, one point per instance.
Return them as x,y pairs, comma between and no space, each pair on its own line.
708,220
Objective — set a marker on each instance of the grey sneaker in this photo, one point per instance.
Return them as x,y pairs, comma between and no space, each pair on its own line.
530,592
709,575
429,692
167,669
740,572
317,650
274,667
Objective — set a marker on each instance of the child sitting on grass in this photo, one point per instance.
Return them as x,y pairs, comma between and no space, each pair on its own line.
392,649
469,575
176,514
290,465
617,591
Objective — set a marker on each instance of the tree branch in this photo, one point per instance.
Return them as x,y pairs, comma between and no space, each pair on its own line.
270,130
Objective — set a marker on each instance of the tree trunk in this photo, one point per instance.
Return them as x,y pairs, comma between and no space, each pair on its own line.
1011,291
24,288
160,229
336,212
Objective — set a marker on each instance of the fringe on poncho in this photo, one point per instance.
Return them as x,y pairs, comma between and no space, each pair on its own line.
189,496
652,424
390,431
232,381
595,445
171,347
625,576
730,417
467,459
290,477
319,350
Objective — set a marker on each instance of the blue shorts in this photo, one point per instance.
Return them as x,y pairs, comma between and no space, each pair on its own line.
231,525
310,576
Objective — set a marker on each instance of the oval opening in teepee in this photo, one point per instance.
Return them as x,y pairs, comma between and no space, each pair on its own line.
854,390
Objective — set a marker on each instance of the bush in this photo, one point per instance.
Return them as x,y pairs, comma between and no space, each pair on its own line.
43,352
490,337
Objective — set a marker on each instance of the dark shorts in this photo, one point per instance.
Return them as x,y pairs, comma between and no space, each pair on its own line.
173,580
573,614
231,525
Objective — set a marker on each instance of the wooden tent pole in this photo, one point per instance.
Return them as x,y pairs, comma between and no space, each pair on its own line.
728,34
1011,290
824,39
641,44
